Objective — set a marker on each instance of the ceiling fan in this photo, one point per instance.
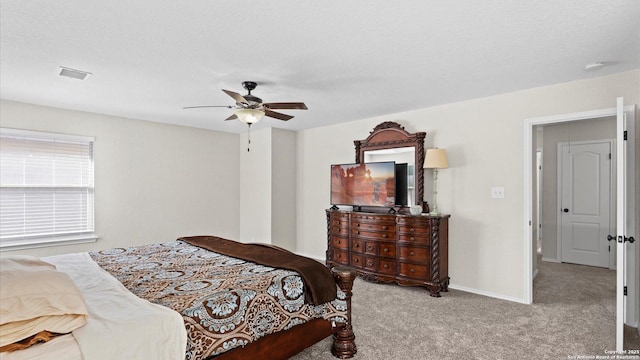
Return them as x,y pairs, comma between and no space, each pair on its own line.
250,109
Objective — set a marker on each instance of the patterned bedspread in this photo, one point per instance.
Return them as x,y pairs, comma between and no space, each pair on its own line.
225,302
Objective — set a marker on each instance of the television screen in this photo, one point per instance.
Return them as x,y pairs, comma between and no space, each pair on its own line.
370,184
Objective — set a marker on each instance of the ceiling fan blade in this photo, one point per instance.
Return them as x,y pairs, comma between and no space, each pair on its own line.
237,97
232,117
207,106
277,115
286,105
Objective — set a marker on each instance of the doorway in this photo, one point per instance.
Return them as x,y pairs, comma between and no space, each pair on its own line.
572,136
627,309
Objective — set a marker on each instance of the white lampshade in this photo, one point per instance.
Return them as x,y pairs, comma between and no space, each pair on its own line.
436,159
249,116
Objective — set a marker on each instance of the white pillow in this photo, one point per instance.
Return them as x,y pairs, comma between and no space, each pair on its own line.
35,297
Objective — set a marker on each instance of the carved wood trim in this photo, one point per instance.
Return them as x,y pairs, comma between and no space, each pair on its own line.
435,250
388,135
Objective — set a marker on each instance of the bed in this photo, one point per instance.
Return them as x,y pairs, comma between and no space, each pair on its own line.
200,297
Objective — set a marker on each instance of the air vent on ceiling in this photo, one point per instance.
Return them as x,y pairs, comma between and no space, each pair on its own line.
73,73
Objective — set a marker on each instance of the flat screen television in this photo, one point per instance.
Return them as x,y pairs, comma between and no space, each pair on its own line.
369,184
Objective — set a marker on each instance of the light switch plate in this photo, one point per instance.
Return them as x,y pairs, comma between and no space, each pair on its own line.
497,192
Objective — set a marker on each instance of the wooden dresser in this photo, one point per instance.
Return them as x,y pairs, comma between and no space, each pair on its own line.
406,249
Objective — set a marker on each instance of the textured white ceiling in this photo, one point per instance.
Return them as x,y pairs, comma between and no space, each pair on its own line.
347,60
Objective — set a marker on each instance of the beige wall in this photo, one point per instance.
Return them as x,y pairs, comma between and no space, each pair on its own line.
283,189
153,182
483,138
255,187
268,188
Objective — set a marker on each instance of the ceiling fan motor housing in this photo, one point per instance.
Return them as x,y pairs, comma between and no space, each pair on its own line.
249,85
254,100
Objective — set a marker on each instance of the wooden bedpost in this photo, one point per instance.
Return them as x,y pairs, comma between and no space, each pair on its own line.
344,345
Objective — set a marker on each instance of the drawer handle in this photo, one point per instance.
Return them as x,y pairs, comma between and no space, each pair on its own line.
386,250
338,242
412,253
412,270
384,236
338,256
386,266
411,238
358,225
357,245
384,228
356,260
369,247
412,230
358,232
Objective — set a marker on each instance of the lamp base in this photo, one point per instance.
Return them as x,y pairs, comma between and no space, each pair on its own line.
435,213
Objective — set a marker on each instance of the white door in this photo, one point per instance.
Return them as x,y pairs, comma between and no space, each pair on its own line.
621,215
585,214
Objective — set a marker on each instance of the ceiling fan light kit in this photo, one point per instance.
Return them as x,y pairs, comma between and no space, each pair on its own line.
249,116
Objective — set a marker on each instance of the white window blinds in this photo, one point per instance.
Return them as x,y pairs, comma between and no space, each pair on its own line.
46,187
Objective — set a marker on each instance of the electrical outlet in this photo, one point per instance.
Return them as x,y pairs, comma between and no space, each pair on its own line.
497,192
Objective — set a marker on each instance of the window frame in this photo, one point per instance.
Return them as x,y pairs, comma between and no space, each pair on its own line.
52,239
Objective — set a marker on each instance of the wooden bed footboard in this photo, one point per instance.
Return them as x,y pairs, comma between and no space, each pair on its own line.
282,345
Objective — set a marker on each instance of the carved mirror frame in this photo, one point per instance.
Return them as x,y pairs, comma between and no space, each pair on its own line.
389,135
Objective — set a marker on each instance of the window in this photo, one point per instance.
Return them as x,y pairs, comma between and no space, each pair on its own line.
46,189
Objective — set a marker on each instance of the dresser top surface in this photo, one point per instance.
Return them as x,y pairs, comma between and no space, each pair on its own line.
424,215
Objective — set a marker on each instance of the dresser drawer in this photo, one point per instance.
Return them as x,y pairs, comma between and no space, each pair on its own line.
340,222
386,266
339,216
356,260
340,256
372,218
380,248
413,230
417,254
413,271
357,245
418,221
340,242
418,239
374,226
382,235
338,230
383,266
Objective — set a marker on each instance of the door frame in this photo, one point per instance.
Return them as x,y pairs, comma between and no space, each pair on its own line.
612,193
528,165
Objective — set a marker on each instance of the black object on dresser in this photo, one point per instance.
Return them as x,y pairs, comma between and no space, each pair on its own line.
392,248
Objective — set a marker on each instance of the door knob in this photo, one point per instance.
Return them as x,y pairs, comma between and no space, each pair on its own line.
629,239
609,237
565,210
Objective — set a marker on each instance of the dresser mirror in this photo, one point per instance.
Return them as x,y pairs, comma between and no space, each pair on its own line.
401,155
390,142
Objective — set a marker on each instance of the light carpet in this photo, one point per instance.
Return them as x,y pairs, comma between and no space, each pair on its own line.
573,315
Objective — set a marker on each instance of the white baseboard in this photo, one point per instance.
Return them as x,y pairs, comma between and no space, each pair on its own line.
489,294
